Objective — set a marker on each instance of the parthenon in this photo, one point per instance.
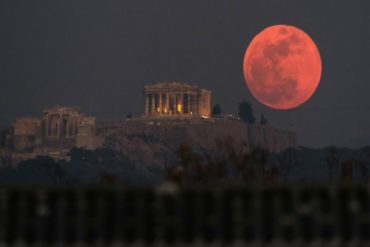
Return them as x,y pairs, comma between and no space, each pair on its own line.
176,99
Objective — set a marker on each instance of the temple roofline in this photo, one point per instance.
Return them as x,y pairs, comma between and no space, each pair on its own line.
173,99
60,109
170,85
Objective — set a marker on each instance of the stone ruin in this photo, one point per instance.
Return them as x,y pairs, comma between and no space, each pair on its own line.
54,134
175,99
175,113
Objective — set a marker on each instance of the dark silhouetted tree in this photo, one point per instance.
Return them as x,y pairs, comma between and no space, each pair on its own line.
46,168
233,162
216,110
129,115
263,120
332,161
246,112
288,159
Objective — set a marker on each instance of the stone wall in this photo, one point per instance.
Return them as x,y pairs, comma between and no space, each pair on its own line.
89,142
153,141
206,133
26,126
26,134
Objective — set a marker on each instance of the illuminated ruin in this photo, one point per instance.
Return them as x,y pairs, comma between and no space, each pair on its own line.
54,134
176,99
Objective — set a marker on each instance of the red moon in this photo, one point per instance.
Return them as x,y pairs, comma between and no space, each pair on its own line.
282,67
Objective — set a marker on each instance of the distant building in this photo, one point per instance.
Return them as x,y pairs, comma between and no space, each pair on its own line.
66,127
175,113
86,137
27,134
54,134
176,99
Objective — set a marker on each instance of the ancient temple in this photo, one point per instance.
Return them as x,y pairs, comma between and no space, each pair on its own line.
60,122
176,99
60,128
64,126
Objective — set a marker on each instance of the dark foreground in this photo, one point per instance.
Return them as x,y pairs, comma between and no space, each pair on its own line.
275,215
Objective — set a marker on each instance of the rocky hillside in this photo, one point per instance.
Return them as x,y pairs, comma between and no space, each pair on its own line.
154,142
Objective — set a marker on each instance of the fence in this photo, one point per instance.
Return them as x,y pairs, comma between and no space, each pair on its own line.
290,215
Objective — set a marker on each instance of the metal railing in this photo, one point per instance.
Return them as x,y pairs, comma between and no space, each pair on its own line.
282,215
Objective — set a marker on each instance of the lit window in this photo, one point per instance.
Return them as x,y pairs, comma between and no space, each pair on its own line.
179,107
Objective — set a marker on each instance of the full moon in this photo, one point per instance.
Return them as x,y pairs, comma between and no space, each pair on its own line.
282,67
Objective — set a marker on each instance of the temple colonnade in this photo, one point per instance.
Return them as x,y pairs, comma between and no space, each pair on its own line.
170,103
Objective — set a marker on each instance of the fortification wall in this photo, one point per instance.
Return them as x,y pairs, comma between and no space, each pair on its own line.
204,133
26,134
28,126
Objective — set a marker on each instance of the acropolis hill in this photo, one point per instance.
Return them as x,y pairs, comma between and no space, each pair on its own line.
174,113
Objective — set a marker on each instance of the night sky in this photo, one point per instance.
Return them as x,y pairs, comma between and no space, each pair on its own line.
98,55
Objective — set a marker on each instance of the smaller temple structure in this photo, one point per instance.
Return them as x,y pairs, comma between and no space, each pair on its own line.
54,134
176,99
60,126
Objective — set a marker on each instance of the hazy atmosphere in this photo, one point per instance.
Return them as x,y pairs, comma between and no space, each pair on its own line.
98,55
184,123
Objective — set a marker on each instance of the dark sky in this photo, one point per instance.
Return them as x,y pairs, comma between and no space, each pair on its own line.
97,55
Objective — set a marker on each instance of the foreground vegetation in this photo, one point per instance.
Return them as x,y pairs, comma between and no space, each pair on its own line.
192,166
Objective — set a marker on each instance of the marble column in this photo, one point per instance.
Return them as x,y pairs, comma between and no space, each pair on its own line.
175,102
168,102
146,104
182,103
153,104
46,126
192,103
188,95
67,128
160,103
